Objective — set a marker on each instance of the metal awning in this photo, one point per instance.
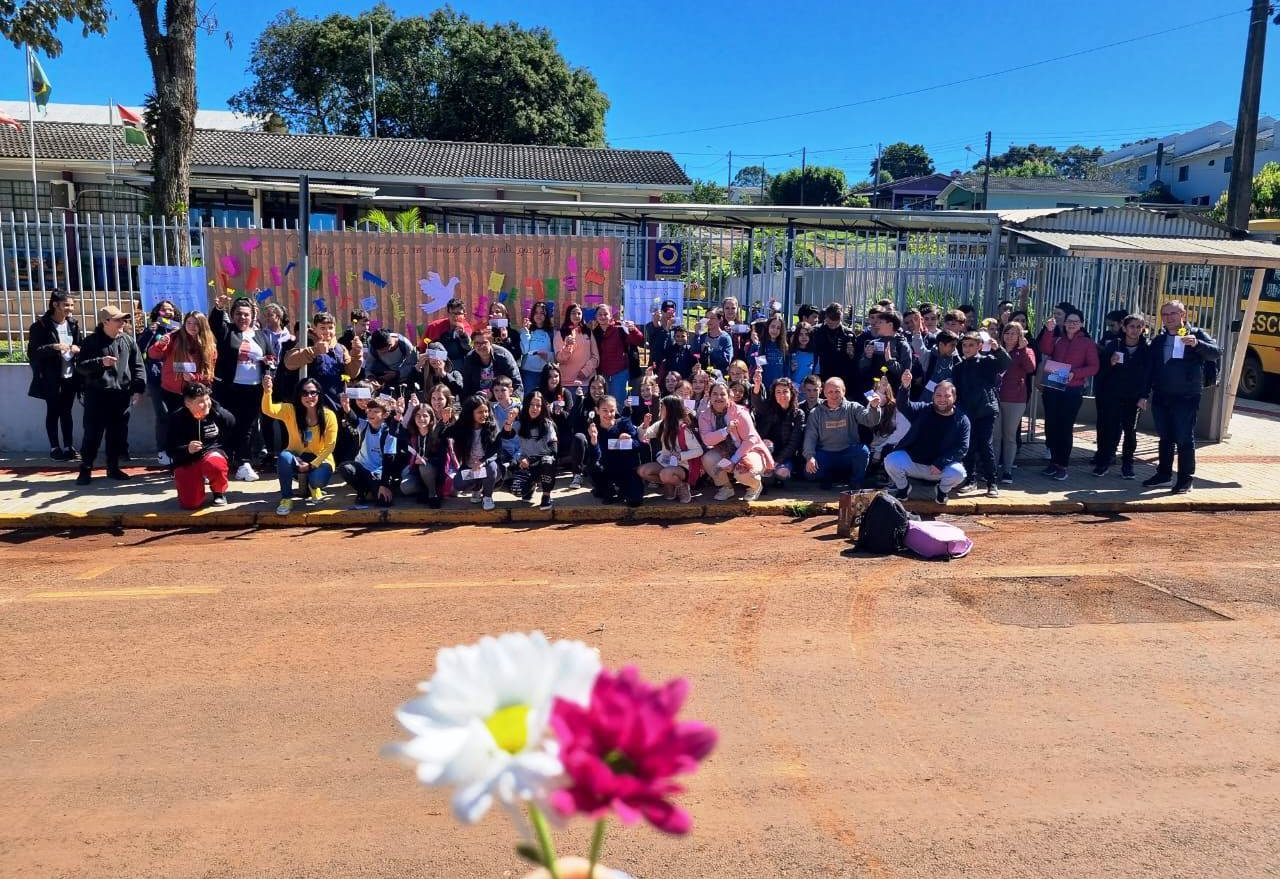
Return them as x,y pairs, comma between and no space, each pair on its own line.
736,216
1192,251
244,184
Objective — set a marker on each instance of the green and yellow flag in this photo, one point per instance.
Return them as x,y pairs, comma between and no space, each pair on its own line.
41,88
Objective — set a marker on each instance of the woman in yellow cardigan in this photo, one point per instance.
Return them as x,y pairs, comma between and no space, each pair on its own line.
313,432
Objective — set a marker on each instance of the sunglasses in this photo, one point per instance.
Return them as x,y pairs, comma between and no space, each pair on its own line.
310,394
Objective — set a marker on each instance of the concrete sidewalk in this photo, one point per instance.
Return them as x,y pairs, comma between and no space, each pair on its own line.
1236,475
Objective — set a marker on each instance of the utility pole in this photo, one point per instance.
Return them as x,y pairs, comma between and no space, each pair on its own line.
875,178
1240,189
728,186
986,174
373,81
804,155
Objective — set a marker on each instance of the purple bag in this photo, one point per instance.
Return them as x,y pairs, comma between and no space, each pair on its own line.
937,540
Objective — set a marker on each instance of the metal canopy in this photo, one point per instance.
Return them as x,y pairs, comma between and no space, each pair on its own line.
1189,251
737,216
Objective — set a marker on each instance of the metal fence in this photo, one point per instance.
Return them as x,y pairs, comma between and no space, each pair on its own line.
97,257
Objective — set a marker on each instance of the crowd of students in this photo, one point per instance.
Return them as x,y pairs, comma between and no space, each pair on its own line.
488,402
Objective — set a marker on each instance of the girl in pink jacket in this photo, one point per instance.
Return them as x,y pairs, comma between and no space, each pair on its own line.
734,447
575,350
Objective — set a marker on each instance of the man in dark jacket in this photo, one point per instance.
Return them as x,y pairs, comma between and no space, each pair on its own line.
242,349
883,352
936,366
1124,371
1176,380
390,361
196,441
110,363
977,381
934,447
484,363
53,342
836,347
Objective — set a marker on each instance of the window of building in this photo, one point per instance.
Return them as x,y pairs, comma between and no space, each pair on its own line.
1184,172
1211,161
1142,172
1226,164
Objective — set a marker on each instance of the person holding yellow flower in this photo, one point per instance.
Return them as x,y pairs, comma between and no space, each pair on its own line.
1181,354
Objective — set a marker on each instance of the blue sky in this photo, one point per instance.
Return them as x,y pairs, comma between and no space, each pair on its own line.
671,68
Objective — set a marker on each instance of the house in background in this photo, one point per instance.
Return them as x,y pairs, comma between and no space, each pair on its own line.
1005,193
242,175
1195,165
918,193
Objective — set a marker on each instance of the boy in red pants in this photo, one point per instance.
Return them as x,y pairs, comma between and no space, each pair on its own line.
197,432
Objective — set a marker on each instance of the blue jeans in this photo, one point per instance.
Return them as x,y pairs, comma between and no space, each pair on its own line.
287,470
617,387
1175,419
851,461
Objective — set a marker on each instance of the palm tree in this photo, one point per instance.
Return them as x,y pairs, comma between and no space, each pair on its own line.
378,220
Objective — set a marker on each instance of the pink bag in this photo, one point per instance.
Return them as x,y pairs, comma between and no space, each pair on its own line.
937,540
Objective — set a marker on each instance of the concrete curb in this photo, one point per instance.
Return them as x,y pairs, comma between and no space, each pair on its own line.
661,511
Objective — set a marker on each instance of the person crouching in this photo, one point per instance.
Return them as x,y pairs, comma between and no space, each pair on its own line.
373,471
198,433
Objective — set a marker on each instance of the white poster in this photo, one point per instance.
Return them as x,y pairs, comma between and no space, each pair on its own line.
641,298
185,288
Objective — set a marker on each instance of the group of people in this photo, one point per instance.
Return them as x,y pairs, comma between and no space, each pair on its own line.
489,402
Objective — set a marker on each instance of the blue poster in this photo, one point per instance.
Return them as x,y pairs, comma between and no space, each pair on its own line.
185,288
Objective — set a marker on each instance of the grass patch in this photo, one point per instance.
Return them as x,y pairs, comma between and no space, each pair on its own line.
803,509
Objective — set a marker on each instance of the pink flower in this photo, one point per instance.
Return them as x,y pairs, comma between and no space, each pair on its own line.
622,750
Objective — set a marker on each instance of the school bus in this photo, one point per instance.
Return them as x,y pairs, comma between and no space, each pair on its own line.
1262,361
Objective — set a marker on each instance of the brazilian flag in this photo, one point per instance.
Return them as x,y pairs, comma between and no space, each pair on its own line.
41,88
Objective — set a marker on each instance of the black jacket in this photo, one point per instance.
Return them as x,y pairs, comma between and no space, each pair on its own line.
45,359
1127,380
934,368
837,351
1183,377
229,338
462,437
213,430
896,357
503,364
977,382
784,429
947,436
127,374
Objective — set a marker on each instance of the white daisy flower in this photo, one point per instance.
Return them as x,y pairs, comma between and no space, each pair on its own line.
481,725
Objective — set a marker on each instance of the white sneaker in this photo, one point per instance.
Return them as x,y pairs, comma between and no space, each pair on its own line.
725,493
475,498
164,459
488,504
753,494
246,473
576,482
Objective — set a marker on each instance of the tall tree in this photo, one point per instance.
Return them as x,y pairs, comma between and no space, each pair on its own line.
172,50
704,192
35,22
440,76
1076,161
822,186
1029,168
903,159
752,176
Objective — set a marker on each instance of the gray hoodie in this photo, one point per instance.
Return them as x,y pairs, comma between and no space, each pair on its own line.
834,430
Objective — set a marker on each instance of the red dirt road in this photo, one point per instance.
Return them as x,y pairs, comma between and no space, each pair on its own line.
1081,697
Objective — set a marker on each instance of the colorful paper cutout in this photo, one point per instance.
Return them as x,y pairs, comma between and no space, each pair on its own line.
266,294
320,305
375,325
249,245
604,258
571,273
496,280
313,282
591,276
482,308
369,303
229,264
255,275
436,291
289,268
373,279
277,279
552,286
589,298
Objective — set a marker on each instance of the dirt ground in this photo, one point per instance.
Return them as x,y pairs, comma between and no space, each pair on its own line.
1081,697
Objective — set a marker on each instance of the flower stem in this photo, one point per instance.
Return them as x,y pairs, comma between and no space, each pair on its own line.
597,845
543,832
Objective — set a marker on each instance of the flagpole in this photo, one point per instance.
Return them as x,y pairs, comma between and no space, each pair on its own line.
111,138
31,126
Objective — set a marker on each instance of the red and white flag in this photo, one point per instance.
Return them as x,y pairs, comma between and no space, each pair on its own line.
128,117
6,119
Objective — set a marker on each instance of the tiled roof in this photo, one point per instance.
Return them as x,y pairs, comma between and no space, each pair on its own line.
973,183
358,156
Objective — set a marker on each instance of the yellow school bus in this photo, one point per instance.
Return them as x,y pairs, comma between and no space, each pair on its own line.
1262,361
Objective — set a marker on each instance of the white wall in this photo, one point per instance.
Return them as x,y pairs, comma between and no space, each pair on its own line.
22,419
1205,179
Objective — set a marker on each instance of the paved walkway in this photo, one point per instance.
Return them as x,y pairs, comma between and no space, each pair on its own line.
1236,475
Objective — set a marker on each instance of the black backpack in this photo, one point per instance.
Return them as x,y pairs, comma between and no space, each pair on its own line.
883,530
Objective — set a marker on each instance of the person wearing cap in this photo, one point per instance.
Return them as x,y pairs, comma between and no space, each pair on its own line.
433,369
197,436
53,342
110,364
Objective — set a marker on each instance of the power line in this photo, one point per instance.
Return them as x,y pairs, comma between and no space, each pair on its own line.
969,79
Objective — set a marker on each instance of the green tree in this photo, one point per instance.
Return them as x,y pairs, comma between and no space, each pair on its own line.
172,52
752,176
822,186
704,192
35,22
440,76
1264,203
378,220
1158,193
1076,161
1029,168
903,159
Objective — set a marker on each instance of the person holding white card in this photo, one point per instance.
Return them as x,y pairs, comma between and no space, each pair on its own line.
1184,362
735,449
53,342
1078,355
187,355
536,344
937,365
614,339
237,384
476,441
613,456
1124,370
1013,394
504,334
977,377
833,447
677,465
